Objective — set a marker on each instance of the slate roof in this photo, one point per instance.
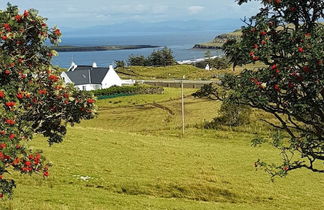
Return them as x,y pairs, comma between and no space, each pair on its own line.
87,75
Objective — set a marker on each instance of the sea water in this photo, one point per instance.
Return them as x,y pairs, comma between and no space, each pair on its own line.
181,44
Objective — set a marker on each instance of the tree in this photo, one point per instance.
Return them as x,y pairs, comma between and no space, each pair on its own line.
208,55
161,57
136,60
167,57
286,37
33,98
120,64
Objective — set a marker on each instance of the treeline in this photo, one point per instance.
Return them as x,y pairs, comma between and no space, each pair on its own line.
163,57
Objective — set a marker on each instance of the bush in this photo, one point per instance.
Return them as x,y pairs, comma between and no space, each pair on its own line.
128,90
231,115
120,64
137,60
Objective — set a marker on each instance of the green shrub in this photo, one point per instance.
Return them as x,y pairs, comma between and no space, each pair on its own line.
128,90
231,115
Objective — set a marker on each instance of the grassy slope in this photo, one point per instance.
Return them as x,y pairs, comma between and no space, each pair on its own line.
136,159
168,72
176,72
218,41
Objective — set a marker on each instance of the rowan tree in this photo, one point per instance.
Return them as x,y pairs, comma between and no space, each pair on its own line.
287,40
33,97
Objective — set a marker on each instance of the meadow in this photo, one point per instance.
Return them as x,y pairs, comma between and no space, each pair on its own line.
178,71
133,156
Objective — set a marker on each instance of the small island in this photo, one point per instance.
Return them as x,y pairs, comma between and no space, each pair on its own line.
100,48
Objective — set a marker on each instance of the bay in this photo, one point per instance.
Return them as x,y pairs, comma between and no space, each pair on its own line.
180,43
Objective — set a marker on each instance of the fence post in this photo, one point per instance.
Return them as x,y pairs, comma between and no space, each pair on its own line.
182,107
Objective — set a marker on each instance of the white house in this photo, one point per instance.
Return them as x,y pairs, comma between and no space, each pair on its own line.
92,77
207,67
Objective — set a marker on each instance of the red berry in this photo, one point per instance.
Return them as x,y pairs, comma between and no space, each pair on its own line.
20,95
276,87
90,101
10,104
12,136
18,18
26,13
263,33
306,69
256,58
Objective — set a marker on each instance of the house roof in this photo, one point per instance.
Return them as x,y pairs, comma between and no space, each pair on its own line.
87,75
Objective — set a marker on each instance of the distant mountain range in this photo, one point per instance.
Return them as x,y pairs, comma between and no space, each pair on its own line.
160,27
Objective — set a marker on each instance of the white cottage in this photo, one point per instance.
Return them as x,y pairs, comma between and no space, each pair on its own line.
91,77
207,67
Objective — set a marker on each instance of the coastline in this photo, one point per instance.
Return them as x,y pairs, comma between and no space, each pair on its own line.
195,60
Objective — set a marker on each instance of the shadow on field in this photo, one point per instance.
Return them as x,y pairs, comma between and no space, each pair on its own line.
196,192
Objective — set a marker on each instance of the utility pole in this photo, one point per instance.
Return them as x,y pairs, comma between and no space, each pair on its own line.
182,107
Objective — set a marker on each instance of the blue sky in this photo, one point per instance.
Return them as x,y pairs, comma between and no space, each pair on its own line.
84,13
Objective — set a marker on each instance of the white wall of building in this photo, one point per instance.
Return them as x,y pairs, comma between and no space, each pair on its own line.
65,77
88,87
111,79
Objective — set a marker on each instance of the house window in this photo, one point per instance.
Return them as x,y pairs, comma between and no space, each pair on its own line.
84,87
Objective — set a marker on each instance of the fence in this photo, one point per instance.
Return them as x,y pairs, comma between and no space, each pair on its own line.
175,83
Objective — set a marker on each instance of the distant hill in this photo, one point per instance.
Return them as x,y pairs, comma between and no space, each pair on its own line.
218,41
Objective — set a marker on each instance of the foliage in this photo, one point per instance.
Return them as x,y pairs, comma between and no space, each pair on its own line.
216,63
208,54
163,57
137,61
288,39
33,98
120,64
136,89
231,114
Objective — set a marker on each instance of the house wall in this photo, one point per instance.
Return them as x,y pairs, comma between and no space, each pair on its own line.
111,79
65,77
88,87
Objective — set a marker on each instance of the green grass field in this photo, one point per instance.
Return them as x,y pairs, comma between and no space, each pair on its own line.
133,156
177,72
